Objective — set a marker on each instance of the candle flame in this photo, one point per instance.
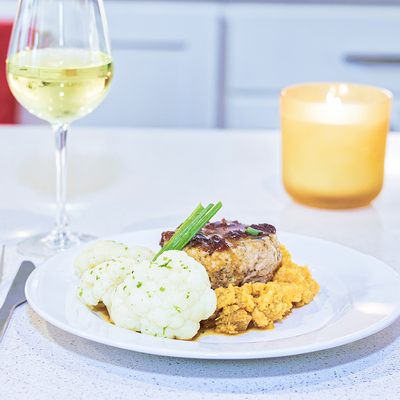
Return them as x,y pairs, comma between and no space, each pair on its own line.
332,97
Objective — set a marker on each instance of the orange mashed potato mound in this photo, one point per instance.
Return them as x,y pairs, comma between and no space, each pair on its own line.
259,305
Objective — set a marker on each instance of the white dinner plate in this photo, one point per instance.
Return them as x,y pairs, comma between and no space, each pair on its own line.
359,296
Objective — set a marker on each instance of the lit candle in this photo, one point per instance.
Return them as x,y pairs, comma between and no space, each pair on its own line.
333,143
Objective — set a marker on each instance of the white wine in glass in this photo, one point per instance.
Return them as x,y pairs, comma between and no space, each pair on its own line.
59,67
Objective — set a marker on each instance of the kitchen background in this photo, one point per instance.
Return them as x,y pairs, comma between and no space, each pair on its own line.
222,64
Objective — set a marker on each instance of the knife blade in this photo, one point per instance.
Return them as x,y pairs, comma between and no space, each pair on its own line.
15,296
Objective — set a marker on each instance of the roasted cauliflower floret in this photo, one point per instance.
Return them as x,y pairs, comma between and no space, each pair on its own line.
98,283
104,250
166,298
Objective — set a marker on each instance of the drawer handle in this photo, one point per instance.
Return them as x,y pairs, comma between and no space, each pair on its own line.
150,45
373,59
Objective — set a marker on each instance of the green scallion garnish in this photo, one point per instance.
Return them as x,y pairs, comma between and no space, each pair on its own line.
252,231
189,228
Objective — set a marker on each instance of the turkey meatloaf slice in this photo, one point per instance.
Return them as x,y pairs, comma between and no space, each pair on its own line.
234,254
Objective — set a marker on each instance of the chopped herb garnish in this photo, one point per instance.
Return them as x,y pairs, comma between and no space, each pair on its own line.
162,289
124,287
187,295
165,265
139,284
80,292
178,309
252,231
148,294
164,329
97,277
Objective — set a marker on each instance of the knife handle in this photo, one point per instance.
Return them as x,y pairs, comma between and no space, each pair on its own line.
5,316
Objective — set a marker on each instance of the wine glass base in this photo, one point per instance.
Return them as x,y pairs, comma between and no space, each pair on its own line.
46,246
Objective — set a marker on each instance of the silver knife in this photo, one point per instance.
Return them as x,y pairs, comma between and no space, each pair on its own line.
15,296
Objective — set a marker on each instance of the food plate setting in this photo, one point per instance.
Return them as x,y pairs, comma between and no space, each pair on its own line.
180,102
358,296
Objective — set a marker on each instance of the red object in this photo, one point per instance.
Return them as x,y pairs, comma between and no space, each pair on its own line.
8,105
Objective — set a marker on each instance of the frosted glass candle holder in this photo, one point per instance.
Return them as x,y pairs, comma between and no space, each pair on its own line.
333,143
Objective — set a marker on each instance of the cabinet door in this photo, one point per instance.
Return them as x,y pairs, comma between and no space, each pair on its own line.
252,112
165,66
8,9
272,46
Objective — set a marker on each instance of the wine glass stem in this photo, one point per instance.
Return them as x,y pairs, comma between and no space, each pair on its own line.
61,171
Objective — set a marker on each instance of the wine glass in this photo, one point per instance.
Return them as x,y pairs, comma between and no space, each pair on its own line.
59,67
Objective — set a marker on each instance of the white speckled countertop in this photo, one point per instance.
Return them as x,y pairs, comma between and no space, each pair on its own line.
118,183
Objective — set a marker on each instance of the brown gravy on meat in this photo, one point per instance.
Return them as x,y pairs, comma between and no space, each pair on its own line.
221,235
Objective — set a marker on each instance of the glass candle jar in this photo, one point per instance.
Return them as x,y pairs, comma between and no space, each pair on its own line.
333,143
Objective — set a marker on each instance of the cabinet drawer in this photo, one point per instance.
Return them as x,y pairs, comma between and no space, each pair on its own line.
165,66
274,46
154,88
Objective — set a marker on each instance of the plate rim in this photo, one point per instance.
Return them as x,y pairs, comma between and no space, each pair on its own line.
189,354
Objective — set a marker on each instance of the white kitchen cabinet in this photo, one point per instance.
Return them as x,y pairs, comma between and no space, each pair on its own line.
272,46
223,64
8,9
166,71
165,66
257,112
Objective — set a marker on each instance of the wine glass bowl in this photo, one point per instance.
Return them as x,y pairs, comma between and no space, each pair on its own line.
59,85
59,67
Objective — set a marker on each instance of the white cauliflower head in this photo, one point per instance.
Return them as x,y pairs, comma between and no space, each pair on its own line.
166,298
98,283
103,250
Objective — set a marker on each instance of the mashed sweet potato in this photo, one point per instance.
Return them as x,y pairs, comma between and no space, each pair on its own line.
259,305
